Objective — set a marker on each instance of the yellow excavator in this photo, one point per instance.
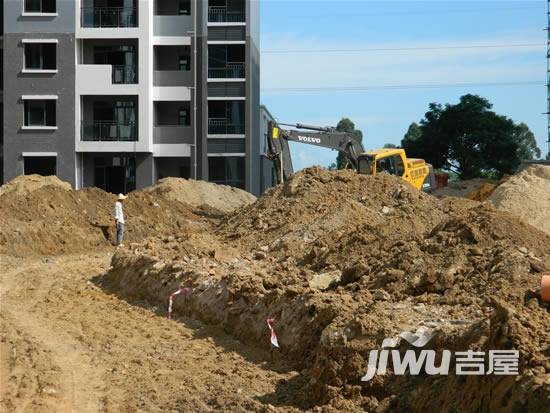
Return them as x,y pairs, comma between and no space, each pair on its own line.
392,161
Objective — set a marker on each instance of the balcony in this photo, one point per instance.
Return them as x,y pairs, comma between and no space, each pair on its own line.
230,71
172,18
106,62
172,123
172,66
108,131
172,78
124,75
177,26
222,126
173,134
108,17
227,33
223,14
226,90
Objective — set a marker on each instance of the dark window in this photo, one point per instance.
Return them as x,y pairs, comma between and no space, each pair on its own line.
41,165
40,6
183,63
399,165
226,145
392,165
184,8
40,113
115,174
227,171
183,117
40,56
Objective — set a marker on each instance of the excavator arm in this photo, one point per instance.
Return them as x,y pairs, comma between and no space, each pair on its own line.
345,143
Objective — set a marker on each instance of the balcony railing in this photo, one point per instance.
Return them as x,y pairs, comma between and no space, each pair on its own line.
222,15
108,131
230,71
222,126
172,78
109,17
123,75
173,134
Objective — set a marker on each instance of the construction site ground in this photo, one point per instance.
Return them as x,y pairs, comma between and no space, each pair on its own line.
339,261
68,346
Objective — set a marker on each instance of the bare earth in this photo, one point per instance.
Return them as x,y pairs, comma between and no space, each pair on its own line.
341,261
66,345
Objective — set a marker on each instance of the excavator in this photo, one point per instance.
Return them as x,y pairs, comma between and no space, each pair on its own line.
393,161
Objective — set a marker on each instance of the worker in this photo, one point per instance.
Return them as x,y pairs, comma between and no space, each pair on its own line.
119,219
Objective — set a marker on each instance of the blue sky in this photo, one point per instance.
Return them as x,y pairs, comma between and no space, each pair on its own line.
437,30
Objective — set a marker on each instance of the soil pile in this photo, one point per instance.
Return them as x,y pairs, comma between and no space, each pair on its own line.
461,189
527,195
343,261
201,194
45,216
317,206
25,184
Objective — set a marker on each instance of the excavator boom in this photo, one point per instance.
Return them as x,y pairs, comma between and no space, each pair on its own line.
325,137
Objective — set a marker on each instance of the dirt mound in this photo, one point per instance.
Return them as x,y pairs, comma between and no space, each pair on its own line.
343,261
482,192
317,205
461,189
45,216
202,194
527,195
25,184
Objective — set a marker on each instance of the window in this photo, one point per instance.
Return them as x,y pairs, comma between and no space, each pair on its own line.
40,6
40,113
392,165
227,171
41,165
184,8
183,63
40,56
183,117
365,165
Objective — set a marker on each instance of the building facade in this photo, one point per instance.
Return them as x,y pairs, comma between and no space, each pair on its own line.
120,93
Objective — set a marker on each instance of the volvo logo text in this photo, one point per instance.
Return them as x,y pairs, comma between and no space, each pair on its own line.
308,139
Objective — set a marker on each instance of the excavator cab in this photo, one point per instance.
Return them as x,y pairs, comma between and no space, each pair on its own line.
395,162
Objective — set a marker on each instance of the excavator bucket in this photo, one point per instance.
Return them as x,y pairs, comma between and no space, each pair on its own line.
279,153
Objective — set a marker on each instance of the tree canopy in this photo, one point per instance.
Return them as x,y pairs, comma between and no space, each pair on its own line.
470,139
346,125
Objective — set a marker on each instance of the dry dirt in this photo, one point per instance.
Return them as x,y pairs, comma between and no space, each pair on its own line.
461,189
202,194
45,216
340,260
527,195
69,346
343,261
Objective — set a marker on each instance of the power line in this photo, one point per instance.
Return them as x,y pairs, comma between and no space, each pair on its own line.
400,49
400,87
408,13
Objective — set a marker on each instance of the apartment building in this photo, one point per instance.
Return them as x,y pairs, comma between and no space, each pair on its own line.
120,93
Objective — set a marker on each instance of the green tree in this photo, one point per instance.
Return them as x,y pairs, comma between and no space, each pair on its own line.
470,139
528,149
332,166
413,133
390,146
346,125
